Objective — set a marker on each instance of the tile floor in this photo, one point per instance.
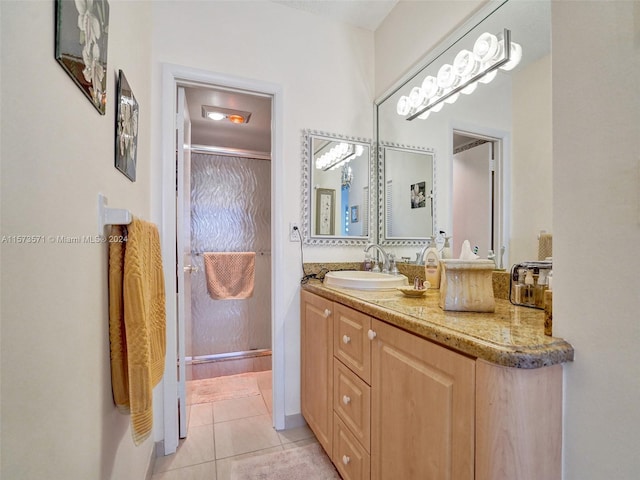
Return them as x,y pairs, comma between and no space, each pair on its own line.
224,430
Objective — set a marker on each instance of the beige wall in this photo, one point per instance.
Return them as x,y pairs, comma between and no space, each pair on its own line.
410,31
596,224
325,70
58,416
531,159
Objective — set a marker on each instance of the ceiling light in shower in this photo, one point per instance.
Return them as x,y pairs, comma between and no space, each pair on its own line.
219,114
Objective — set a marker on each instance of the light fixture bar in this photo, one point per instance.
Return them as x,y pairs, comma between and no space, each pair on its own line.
475,78
339,162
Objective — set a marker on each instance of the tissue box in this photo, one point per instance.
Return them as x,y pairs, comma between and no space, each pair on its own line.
467,285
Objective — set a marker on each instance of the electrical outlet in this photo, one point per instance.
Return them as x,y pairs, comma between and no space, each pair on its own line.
294,232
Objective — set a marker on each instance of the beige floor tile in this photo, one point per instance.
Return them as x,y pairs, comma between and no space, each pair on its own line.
200,414
244,435
223,466
195,449
233,409
265,380
300,443
295,434
203,471
267,397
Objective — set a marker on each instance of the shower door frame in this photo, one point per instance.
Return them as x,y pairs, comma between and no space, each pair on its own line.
174,76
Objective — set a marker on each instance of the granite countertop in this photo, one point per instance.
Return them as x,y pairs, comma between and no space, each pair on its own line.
511,336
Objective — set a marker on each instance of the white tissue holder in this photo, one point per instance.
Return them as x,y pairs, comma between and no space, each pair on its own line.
467,285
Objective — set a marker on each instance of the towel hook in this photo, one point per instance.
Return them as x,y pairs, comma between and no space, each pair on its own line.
110,216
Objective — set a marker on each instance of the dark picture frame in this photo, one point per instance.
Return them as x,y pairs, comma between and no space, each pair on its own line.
82,34
325,211
126,148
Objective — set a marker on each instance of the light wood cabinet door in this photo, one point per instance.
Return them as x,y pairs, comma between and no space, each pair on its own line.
422,402
351,344
316,366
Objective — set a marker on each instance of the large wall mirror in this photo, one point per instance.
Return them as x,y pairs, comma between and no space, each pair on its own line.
338,188
407,194
493,177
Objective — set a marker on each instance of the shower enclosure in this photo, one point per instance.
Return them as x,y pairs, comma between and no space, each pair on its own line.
230,212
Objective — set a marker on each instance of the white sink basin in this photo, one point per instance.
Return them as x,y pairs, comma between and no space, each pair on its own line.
362,280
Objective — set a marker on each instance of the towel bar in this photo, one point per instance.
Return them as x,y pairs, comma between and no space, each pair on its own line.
110,216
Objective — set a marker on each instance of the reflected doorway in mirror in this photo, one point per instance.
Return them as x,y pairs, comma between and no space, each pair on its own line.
325,200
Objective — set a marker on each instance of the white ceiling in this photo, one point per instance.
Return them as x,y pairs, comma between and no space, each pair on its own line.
361,13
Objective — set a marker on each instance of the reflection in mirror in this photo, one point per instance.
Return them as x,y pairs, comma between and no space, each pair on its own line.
337,193
407,196
512,113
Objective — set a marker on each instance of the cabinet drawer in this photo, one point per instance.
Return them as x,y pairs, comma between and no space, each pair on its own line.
352,403
351,344
349,457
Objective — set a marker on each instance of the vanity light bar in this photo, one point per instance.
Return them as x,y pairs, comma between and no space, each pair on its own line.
451,95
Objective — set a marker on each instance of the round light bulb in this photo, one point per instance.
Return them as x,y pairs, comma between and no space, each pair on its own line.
430,87
465,64
404,106
425,115
487,48
417,98
515,55
447,78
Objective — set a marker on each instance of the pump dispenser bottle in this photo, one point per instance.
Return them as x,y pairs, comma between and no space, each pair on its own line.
432,266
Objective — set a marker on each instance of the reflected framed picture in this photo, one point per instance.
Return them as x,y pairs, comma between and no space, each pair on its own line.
325,211
418,195
82,32
355,217
126,129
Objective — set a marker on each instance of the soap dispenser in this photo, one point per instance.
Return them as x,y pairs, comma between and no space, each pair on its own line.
432,266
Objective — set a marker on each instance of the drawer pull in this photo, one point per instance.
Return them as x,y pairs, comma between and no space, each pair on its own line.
371,334
346,459
346,339
346,399
327,312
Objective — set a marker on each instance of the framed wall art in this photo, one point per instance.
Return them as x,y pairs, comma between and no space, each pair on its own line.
82,31
126,128
355,217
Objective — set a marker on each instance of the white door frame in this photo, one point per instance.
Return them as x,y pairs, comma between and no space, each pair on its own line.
172,76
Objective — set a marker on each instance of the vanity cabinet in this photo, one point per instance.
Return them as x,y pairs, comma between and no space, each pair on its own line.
422,408
386,403
316,364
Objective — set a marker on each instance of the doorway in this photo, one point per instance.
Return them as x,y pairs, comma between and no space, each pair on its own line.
477,191
174,78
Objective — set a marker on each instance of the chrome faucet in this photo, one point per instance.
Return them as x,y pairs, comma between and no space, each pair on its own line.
383,255
420,256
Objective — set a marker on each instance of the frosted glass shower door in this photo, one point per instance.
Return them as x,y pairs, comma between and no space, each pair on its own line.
231,212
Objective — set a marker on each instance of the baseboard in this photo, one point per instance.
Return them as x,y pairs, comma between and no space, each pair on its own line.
158,447
294,421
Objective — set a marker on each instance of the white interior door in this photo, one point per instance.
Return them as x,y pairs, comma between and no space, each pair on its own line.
183,242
